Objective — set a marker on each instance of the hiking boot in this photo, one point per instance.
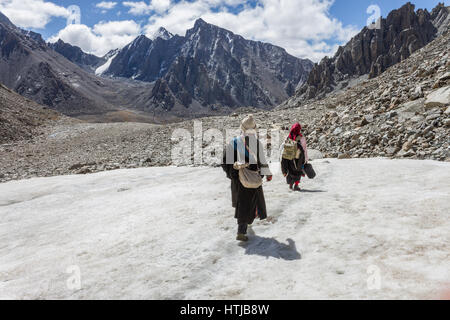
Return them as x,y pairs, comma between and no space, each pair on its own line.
242,237
297,188
291,186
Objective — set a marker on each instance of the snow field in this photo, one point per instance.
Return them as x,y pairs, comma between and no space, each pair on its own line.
363,229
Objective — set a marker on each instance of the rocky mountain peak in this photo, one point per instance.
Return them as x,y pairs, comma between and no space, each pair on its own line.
4,19
142,39
441,18
199,23
372,51
211,72
86,61
211,69
200,26
438,10
162,33
111,53
402,113
33,35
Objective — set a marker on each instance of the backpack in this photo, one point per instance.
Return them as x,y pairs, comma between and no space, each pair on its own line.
249,179
290,149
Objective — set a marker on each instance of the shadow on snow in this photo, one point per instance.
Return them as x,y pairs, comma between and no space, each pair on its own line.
270,247
312,191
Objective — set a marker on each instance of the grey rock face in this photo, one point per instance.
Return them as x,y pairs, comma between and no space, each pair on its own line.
86,61
212,67
371,52
441,18
384,116
4,19
144,59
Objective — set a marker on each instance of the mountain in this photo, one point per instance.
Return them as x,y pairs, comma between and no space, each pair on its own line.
372,51
32,69
211,67
107,59
4,20
86,61
402,113
210,71
162,33
441,18
144,59
20,118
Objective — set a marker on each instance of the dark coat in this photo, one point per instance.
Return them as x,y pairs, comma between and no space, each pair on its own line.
248,203
294,168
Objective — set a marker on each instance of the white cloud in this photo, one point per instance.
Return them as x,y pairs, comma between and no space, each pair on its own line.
107,5
31,13
111,28
142,8
160,5
137,8
302,27
100,39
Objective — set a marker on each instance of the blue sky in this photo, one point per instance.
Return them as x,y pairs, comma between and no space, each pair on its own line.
306,28
354,11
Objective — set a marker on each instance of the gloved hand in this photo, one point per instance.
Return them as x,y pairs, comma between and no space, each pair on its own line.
269,178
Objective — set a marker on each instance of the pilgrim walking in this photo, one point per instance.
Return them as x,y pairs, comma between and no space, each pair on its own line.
294,157
245,165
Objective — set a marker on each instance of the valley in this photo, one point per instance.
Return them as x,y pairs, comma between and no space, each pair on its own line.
404,112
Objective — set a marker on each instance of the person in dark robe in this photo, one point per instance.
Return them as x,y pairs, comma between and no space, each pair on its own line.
292,169
246,151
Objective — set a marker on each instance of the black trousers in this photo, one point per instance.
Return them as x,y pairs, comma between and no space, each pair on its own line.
291,179
242,228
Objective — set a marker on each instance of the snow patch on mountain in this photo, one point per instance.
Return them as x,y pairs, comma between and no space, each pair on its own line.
103,68
161,33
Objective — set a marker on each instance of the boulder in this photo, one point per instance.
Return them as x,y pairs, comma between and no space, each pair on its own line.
405,154
417,93
407,146
337,131
415,107
409,109
391,150
438,98
447,111
445,77
362,122
369,118
344,156
84,170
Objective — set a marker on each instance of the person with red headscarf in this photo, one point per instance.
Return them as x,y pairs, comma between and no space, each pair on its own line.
292,166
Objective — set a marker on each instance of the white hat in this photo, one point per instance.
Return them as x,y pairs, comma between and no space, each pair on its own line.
248,125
